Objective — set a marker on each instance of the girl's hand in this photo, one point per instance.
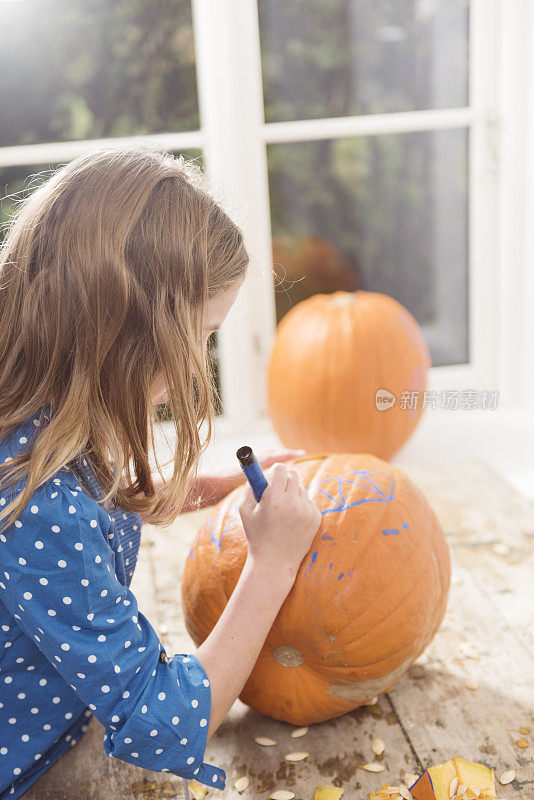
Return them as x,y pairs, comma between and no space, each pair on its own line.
211,488
280,528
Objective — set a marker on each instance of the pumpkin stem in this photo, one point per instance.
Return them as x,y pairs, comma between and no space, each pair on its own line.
342,299
311,458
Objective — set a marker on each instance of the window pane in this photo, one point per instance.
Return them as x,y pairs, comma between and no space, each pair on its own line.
345,57
384,213
85,69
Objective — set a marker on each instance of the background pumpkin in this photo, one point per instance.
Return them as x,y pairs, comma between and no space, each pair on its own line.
308,265
368,598
331,354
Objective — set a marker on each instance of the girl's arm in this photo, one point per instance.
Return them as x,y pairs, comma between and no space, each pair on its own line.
206,491
59,583
230,651
210,488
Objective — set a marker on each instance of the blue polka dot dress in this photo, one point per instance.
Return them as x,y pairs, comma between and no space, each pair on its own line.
73,642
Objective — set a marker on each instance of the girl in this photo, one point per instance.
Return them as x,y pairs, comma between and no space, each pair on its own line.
113,274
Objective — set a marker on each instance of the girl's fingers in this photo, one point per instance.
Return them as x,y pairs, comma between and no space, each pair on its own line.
248,501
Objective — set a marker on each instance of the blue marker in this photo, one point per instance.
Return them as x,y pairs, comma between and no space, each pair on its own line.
252,470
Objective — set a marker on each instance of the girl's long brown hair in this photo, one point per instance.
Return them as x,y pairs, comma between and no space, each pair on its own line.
105,273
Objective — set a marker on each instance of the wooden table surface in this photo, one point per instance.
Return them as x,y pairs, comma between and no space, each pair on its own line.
430,716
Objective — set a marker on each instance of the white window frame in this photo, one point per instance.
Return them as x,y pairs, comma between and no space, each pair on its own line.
229,74
234,135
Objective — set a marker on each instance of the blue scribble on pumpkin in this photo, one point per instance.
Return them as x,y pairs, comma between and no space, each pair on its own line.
314,556
378,487
326,536
209,523
340,576
395,531
330,567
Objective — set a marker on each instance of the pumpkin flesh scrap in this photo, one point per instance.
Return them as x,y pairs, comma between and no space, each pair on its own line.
325,792
456,779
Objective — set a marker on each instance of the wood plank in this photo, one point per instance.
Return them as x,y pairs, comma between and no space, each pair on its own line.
443,718
491,529
429,716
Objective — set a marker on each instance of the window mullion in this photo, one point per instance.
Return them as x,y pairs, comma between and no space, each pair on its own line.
231,113
514,144
482,176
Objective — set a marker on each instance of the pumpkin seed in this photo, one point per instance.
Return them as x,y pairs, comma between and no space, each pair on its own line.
462,788
409,780
473,685
374,766
372,702
299,732
507,777
405,792
282,794
522,743
453,787
265,741
468,651
241,783
378,747
296,756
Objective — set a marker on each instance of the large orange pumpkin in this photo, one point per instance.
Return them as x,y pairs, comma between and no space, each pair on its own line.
368,597
332,354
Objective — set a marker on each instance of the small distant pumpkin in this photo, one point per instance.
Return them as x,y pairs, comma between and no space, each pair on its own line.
308,265
347,373
368,597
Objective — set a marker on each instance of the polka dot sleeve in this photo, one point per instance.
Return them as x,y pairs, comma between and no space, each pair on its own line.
57,578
